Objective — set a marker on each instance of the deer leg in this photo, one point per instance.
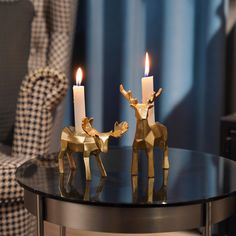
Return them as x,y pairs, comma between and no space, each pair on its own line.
162,193
71,160
135,188
150,190
61,156
99,188
87,191
101,166
165,177
165,158
70,178
61,161
61,185
150,162
134,168
87,166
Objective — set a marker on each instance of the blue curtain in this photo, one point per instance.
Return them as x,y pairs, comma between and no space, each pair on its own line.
186,42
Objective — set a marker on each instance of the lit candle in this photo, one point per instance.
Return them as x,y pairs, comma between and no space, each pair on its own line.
147,90
79,101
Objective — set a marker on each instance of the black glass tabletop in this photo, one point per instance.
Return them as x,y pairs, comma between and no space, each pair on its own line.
193,177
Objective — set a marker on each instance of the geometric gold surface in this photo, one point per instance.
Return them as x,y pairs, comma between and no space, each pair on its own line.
147,136
90,142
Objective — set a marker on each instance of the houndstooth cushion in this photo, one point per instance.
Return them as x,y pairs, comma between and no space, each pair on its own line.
10,190
15,220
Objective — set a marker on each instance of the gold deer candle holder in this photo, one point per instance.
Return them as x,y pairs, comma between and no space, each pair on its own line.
91,142
147,136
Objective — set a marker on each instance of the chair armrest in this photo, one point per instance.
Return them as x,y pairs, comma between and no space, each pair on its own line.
40,93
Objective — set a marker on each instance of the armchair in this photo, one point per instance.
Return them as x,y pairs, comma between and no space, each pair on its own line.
36,38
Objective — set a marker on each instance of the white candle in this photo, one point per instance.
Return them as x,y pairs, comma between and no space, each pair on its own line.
147,90
79,102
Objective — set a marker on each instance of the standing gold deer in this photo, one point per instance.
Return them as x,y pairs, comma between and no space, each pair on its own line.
146,135
90,143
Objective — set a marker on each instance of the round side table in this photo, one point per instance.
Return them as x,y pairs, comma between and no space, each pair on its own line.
197,191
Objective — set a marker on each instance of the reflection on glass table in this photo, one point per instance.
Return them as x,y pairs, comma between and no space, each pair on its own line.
197,191
146,192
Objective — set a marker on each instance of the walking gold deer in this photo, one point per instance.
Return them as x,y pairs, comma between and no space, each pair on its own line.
90,143
146,135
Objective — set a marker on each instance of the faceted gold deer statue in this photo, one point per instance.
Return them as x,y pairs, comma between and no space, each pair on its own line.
91,142
146,135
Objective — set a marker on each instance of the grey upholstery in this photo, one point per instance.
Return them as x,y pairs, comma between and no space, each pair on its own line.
15,24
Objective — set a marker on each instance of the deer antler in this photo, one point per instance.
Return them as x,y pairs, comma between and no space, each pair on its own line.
87,127
128,95
154,96
119,129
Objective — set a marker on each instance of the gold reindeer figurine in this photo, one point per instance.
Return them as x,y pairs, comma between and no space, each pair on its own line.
90,143
147,136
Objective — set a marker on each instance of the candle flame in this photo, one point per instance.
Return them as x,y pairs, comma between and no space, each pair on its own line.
147,65
79,76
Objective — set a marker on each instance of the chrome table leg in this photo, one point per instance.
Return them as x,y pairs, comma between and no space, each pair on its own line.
207,229
62,230
40,226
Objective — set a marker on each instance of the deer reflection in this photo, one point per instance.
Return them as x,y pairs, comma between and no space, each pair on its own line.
67,189
150,194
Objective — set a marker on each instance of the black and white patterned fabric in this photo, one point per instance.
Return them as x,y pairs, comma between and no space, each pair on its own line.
51,34
40,93
10,191
15,220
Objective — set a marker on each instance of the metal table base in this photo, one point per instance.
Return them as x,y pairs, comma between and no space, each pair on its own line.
127,220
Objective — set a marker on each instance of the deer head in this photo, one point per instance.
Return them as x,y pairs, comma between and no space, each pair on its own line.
141,109
101,139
